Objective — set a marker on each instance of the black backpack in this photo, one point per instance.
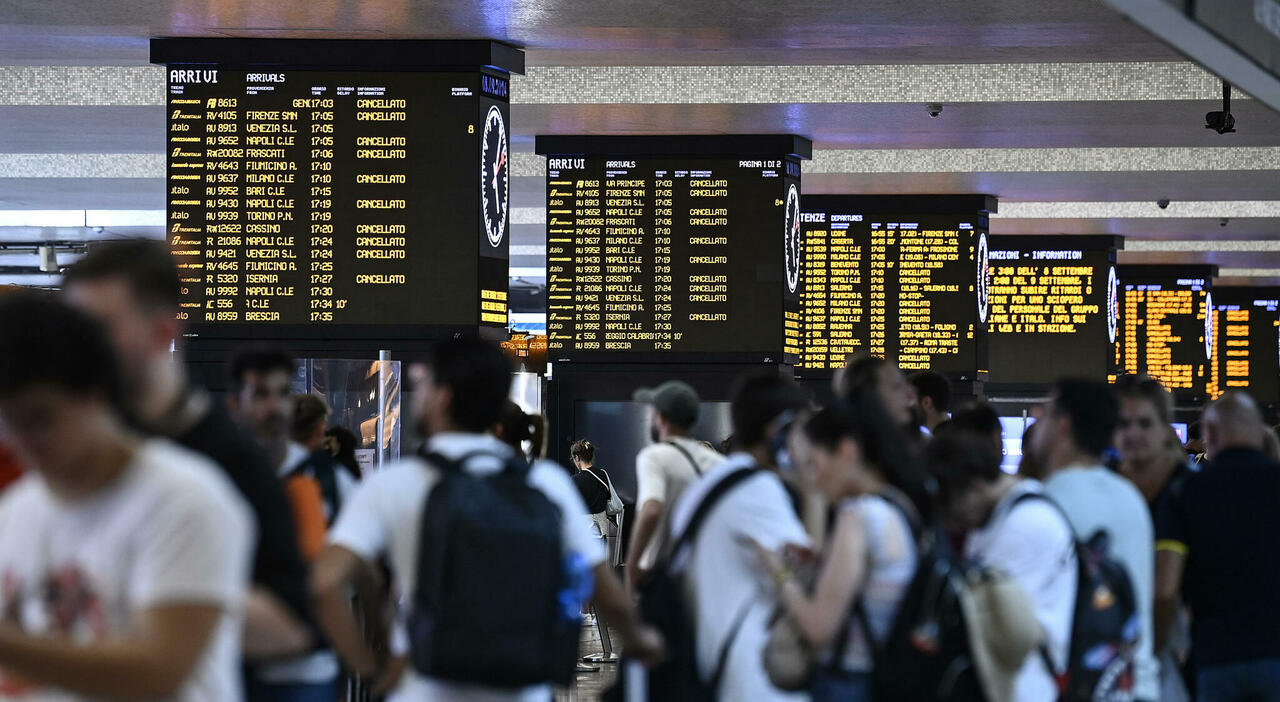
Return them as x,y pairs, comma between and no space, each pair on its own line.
663,606
1104,625
926,656
491,573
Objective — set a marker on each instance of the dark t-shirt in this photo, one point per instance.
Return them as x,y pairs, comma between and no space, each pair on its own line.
1225,519
277,564
590,485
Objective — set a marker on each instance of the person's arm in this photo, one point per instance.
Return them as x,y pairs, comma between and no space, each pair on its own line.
1171,560
270,629
151,662
642,533
639,641
843,571
333,576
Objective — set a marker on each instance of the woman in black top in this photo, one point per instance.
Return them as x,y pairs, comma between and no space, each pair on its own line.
592,482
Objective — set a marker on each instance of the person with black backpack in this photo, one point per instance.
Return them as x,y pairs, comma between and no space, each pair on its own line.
488,551
859,462
1026,538
1113,529
706,594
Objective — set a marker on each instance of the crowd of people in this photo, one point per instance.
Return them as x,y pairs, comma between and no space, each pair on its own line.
167,543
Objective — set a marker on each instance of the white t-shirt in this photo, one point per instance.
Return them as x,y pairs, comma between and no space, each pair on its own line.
662,473
891,550
1033,544
170,530
724,580
385,515
1095,498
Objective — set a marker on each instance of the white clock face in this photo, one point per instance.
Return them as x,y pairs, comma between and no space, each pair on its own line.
495,162
1113,305
791,238
1208,325
982,276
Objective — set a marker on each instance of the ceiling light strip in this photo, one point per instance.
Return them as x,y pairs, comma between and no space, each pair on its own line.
891,83
1181,209
1215,246
1048,160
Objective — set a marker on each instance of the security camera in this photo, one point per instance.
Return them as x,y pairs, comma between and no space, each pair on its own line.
1162,204
934,109
1223,222
1222,122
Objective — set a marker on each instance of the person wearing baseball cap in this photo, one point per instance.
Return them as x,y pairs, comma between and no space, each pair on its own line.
665,468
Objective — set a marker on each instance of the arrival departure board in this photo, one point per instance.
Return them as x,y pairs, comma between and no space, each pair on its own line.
1246,350
338,203
1166,331
911,288
1054,308
653,256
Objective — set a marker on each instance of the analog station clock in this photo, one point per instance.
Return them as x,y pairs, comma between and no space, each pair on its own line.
1208,325
983,277
791,238
495,162
1113,305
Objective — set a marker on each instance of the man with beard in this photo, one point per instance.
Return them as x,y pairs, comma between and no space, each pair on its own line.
261,402
663,470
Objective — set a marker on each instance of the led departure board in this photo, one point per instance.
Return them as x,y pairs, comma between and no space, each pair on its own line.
337,202
1165,329
1246,349
1054,308
900,277
663,248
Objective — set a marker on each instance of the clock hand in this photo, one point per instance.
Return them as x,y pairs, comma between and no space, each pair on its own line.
502,160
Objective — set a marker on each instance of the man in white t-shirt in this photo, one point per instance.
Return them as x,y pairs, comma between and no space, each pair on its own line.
731,605
123,562
460,395
1026,538
664,469
1077,426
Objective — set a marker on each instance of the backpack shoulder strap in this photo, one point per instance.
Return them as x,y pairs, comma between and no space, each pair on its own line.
717,492
513,464
688,456
902,503
858,615
717,674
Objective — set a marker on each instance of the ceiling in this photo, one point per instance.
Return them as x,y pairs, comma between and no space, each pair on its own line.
1073,116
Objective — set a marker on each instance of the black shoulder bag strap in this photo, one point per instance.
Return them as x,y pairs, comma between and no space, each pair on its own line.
700,514
915,526
703,509
696,469
1045,657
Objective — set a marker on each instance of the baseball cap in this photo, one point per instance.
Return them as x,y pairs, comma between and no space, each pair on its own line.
674,400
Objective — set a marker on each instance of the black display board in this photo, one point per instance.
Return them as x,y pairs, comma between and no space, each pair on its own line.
1054,308
900,277
1165,330
673,249
1246,349
339,189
